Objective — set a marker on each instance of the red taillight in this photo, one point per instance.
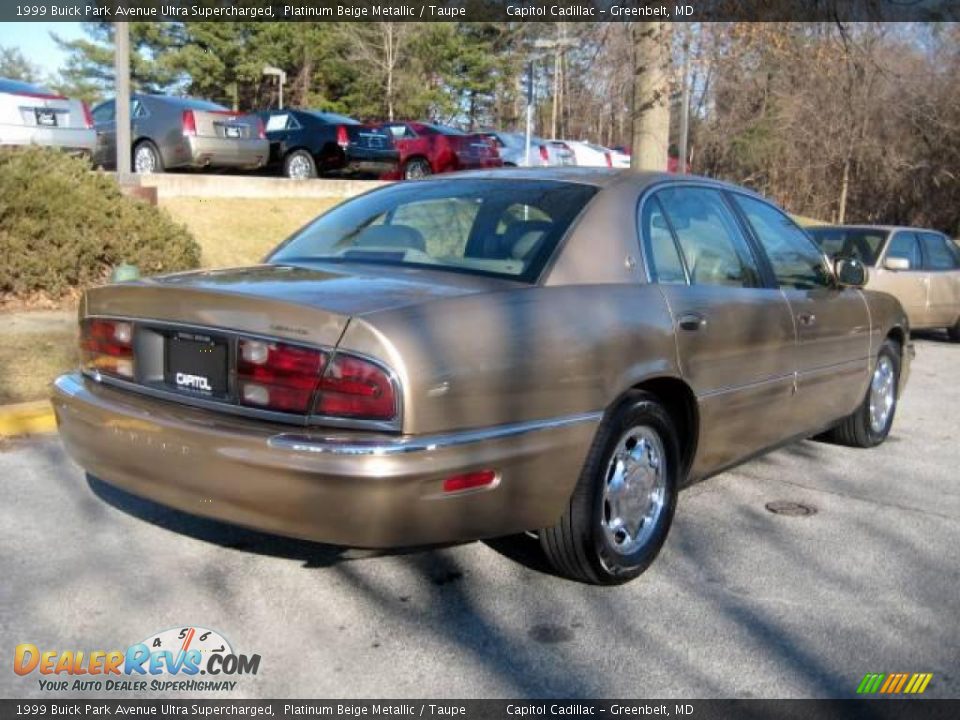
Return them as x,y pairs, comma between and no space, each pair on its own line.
356,388
107,346
277,376
87,117
261,129
470,481
609,159
188,123
544,155
343,139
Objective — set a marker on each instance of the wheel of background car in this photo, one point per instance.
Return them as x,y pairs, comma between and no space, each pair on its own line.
416,168
299,165
954,332
146,158
623,504
870,423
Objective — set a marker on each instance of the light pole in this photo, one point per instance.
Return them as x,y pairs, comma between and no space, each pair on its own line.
121,73
281,79
526,154
559,45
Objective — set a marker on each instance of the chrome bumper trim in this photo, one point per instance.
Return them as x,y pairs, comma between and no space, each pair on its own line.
299,442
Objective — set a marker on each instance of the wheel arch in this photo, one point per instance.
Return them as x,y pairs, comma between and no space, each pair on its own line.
680,403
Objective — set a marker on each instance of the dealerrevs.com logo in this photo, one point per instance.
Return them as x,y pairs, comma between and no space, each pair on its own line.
170,661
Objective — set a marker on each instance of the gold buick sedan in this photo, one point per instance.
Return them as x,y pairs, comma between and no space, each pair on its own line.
921,268
496,352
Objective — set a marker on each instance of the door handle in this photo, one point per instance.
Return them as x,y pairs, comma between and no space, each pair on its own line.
807,319
691,321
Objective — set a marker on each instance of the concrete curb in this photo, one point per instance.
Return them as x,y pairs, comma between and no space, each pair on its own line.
27,418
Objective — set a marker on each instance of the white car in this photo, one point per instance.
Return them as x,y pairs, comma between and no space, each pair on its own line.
588,154
31,115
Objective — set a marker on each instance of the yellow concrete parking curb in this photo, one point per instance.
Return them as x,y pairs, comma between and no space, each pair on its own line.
27,418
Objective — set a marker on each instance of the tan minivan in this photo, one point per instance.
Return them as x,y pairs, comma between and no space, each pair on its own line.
920,267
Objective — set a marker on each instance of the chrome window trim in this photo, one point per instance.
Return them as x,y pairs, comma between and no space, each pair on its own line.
297,442
233,406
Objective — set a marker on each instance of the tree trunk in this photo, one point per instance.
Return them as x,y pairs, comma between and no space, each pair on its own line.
651,110
844,189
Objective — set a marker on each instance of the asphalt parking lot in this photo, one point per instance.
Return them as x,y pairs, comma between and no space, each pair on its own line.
741,602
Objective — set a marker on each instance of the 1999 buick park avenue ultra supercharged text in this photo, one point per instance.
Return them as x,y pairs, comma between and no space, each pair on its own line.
557,351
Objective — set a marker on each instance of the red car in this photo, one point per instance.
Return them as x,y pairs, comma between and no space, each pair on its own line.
427,149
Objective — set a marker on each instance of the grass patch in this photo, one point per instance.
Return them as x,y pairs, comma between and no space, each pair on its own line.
240,231
29,362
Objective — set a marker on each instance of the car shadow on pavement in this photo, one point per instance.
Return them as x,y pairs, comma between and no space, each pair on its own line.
234,537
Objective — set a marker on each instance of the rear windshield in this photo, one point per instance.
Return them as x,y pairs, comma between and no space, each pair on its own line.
861,243
15,86
501,228
333,118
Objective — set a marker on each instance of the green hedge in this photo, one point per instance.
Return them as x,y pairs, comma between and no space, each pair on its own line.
63,226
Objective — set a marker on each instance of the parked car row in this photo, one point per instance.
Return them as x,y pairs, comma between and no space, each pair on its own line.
188,133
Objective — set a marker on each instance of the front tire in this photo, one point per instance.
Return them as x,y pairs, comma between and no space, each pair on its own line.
869,425
623,504
146,158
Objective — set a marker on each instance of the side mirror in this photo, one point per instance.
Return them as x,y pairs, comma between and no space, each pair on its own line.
896,263
850,272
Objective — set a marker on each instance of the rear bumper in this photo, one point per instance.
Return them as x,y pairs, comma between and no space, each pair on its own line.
201,152
74,140
360,490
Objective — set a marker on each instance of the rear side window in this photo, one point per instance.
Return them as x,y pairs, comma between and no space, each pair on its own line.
939,253
905,245
714,249
663,257
796,261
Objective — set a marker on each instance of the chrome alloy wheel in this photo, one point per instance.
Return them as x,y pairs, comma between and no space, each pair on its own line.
144,160
417,170
882,394
299,168
634,489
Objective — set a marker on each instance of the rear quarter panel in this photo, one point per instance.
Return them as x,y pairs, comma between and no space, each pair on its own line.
526,354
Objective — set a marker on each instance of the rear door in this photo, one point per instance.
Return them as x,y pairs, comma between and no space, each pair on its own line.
941,260
833,324
910,286
735,335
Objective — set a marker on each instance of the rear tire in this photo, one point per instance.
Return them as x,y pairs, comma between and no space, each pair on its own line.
299,165
416,169
869,425
146,158
954,332
622,506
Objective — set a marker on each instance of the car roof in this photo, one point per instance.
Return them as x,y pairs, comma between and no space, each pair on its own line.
18,86
598,177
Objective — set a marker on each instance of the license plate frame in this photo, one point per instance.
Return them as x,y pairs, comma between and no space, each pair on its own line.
196,364
45,117
232,132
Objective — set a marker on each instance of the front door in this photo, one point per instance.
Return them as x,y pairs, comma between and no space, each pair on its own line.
909,286
941,260
833,325
735,337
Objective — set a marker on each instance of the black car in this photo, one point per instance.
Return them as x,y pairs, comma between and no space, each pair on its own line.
308,143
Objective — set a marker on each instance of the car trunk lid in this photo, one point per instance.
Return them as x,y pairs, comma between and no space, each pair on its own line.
309,305
225,124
